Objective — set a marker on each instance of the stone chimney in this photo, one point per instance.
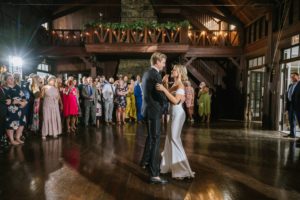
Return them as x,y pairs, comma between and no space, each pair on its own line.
133,10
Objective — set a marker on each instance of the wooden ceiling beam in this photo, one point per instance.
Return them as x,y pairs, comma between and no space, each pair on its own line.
202,10
227,13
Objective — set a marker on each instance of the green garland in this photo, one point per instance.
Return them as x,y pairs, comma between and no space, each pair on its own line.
138,25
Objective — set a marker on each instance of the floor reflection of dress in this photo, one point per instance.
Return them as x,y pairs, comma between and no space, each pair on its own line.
52,154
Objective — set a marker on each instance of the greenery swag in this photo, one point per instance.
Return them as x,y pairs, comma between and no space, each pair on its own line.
138,25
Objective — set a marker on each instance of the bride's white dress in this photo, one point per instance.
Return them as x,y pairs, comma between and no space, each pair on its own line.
174,159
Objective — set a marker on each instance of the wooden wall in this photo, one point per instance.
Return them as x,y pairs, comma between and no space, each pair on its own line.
78,19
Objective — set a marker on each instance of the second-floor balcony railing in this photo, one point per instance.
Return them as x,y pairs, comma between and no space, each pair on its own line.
147,36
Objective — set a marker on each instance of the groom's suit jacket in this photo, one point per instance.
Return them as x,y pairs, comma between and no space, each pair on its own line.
153,100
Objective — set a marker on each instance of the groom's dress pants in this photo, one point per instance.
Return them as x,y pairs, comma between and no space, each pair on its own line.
151,151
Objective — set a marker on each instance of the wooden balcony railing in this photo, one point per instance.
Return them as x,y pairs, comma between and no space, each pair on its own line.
146,36
66,37
213,38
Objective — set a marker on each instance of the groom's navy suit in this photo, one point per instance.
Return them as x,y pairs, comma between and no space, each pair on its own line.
153,101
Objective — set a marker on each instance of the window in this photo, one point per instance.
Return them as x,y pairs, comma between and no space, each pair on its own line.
43,67
15,65
256,62
295,52
250,63
287,54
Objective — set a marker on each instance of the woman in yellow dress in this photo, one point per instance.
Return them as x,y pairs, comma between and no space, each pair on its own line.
130,107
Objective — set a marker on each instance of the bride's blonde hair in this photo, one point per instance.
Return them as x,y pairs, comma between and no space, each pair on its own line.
182,71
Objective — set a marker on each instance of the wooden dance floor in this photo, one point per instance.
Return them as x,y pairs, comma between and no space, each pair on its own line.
231,162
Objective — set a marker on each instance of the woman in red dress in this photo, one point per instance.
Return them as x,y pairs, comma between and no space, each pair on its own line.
70,94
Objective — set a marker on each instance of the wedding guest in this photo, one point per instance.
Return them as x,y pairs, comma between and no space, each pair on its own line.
108,98
99,102
35,90
130,102
15,118
121,102
189,101
4,102
51,113
70,105
138,93
90,96
204,104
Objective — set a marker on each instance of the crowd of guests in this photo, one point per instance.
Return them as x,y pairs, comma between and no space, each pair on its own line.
47,105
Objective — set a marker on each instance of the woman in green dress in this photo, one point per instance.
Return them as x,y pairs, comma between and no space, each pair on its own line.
204,100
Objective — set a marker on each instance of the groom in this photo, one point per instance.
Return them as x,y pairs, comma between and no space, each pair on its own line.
153,101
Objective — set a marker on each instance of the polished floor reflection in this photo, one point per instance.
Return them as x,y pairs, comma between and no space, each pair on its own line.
231,161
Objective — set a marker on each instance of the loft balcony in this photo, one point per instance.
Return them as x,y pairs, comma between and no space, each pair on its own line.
115,41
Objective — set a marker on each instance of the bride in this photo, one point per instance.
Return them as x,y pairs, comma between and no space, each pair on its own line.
174,159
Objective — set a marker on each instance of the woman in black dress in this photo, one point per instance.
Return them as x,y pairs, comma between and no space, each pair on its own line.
15,119
3,112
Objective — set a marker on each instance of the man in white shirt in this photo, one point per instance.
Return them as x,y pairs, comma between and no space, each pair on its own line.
108,93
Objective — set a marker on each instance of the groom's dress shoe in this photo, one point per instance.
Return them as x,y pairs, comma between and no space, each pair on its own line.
289,136
158,181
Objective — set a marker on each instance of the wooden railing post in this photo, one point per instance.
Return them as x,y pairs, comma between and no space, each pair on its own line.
110,36
145,35
184,37
128,34
163,36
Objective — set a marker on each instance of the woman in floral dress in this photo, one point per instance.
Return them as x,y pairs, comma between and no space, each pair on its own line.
121,102
15,119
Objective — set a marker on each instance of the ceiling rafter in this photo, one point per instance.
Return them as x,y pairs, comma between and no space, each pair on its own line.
227,13
190,16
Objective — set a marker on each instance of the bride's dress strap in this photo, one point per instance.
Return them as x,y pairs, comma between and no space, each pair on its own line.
180,91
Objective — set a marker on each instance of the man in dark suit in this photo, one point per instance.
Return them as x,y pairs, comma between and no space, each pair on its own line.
153,101
293,104
90,95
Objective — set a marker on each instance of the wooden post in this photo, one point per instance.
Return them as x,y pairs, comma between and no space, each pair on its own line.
145,35
267,118
128,34
184,36
110,36
163,36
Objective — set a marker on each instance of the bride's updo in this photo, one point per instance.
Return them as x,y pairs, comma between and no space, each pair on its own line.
182,72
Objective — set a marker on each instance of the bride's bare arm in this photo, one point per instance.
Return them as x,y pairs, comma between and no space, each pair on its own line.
173,99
